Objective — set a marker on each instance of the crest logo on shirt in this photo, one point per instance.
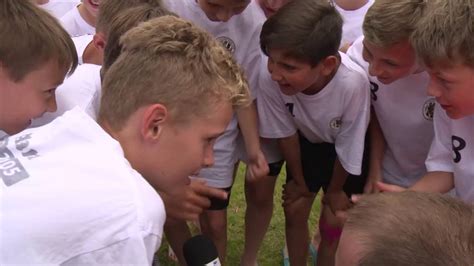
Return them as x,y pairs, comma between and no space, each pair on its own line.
335,123
227,43
428,109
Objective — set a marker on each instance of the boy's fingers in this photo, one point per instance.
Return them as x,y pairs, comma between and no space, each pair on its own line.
342,215
202,189
355,198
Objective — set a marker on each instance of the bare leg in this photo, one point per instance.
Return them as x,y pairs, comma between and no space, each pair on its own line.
214,225
259,197
297,233
177,233
328,245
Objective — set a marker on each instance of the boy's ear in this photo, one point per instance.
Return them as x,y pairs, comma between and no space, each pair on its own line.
329,64
99,41
154,118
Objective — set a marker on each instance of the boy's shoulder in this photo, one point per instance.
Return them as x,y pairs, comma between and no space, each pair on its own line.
349,74
73,159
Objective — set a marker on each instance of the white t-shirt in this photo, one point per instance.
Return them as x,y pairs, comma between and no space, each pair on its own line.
405,114
241,36
81,43
69,196
353,20
452,151
337,114
79,90
58,8
75,25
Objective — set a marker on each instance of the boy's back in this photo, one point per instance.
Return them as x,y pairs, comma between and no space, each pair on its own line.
61,186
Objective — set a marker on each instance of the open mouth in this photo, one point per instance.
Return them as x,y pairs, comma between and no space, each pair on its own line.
94,3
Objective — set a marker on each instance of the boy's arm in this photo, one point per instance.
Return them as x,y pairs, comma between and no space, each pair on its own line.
377,150
296,188
247,118
434,182
335,196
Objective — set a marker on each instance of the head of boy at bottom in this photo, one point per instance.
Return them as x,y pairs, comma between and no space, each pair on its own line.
222,10
167,98
36,53
407,228
302,41
387,28
444,41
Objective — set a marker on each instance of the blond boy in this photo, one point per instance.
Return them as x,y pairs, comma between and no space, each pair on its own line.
443,40
402,117
154,140
34,59
409,228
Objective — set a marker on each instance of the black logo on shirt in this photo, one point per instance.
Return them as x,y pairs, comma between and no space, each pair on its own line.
458,145
227,43
428,109
373,90
335,123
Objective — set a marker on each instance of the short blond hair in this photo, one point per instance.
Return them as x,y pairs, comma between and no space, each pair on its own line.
446,34
109,9
389,22
413,228
30,38
170,61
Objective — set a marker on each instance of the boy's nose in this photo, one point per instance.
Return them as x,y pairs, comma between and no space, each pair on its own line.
51,105
433,89
374,69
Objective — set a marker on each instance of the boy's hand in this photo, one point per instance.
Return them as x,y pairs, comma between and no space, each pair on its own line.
371,184
257,166
187,202
293,191
337,201
383,187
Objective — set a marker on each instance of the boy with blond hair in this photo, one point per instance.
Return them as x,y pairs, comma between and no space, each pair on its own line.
409,228
443,40
319,115
402,127
236,24
154,140
34,60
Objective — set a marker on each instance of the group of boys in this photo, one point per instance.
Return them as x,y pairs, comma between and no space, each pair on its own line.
149,126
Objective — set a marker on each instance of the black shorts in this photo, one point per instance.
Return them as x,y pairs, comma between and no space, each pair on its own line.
219,204
275,168
318,162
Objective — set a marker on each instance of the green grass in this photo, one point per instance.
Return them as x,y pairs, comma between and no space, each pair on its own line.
270,251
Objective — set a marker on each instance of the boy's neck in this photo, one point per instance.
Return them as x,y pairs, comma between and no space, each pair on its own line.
350,5
322,82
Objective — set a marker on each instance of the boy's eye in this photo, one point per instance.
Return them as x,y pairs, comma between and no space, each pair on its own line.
288,67
390,63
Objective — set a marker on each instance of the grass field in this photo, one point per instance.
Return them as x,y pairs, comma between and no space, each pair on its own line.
270,252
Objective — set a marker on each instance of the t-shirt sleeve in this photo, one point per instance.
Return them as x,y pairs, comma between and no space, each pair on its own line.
275,121
137,250
440,154
355,120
